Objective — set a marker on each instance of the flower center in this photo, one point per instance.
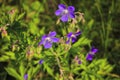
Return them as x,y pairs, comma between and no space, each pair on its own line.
48,39
73,36
65,11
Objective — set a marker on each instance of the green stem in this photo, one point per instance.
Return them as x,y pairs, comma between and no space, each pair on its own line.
58,61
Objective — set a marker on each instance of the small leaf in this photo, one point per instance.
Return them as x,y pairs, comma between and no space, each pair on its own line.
20,16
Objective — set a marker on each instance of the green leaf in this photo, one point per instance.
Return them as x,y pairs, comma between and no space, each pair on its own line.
20,16
90,23
30,73
22,69
12,72
82,41
36,69
49,70
4,58
37,6
11,55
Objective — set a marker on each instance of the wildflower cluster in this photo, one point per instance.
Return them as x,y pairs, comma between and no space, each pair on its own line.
66,13
63,53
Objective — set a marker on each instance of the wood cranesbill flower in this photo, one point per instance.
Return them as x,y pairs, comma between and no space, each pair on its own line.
72,37
47,40
65,12
91,54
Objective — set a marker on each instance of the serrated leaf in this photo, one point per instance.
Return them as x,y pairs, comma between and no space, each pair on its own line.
13,73
82,41
36,69
48,69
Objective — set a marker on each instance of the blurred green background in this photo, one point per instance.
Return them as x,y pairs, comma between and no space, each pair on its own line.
102,23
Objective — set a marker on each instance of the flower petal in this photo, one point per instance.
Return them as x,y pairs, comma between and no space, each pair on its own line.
25,76
41,61
69,35
43,37
79,61
55,39
94,50
40,43
61,6
48,45
68,41
64,18
74,39
78,33
71,15
89,57
71,8
58,12
52,34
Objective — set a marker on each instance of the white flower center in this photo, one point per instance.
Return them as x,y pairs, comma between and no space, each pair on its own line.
73,36
48,39
65,11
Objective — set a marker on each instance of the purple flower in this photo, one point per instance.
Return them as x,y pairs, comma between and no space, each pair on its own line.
25,76
79,62
41,61
91,54
72,37
47,40
65,12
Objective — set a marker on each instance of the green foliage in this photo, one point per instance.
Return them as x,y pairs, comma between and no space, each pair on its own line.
23,23
13,73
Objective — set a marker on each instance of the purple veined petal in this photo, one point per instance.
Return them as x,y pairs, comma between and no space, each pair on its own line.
43,37
41,61
25,76
61,6
68,41
52,34
94,50
78,33
64,18
71,15
58,12
40,43
47,44
74,39
54,39
71,8
89,57
69,35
